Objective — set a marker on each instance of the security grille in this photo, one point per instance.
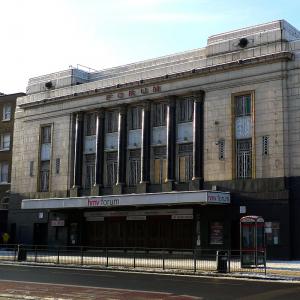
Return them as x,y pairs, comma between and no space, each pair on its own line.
244,158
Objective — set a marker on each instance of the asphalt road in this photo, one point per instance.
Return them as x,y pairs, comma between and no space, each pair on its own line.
199,287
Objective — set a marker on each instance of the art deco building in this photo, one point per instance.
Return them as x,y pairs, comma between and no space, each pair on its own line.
168,152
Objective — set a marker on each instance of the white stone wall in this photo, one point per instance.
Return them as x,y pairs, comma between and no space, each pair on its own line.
26,149
276,87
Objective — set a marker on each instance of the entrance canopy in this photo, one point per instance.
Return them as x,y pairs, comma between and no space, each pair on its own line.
170,198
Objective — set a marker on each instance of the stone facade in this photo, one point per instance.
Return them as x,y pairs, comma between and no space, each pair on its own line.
261,62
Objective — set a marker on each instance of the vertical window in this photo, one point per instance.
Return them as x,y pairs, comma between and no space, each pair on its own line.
134,167
244,158
221,144
159,113
265,145
6,116
185,109
112,121
44,176
111,168
89,170
272,231
160,165
90,128
4,172
243,105
185,162
45,157
31,166
5,141
243,135
46,135
135,118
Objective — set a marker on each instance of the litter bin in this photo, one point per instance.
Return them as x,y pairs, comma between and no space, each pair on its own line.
22,253
222,261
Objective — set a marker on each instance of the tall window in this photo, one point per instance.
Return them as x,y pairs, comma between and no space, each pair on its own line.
160,165
243,105
135,118
4,172
6,115
185,109
159,113
244,158
90,128
112,121
5,141
243,135
185,162
111,168
134,167
89,170
44,176
45,157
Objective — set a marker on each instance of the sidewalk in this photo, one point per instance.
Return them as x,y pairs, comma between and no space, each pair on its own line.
285,268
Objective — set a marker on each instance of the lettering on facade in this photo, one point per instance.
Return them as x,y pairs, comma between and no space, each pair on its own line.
133,93
218,198
94,202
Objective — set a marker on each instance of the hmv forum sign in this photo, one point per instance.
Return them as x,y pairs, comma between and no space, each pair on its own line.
171,198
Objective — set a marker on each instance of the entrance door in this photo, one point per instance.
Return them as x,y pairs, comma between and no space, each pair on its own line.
40,234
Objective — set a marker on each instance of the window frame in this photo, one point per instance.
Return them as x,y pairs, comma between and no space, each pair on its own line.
4,112
2,141
2,164
251,93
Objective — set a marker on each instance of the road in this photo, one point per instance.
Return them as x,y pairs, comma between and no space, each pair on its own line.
68,284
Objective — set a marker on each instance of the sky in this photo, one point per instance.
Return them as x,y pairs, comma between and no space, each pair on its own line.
38,37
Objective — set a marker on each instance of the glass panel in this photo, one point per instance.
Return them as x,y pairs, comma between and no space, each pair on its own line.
248,236
4,172
44,176
90,124
46,135
6,112
244,158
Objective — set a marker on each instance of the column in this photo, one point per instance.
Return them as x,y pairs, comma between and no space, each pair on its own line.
78,152
122,150
145,148
171,144
198,134
99,160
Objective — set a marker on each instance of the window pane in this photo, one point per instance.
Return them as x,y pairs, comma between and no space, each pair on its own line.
6,112
91,124
44,176
46,135
6,141
4,172
244,158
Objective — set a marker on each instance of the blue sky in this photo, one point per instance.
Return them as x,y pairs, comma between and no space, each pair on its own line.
40,37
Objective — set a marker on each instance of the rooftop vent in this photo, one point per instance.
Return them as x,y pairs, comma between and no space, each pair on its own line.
49,85
243,42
